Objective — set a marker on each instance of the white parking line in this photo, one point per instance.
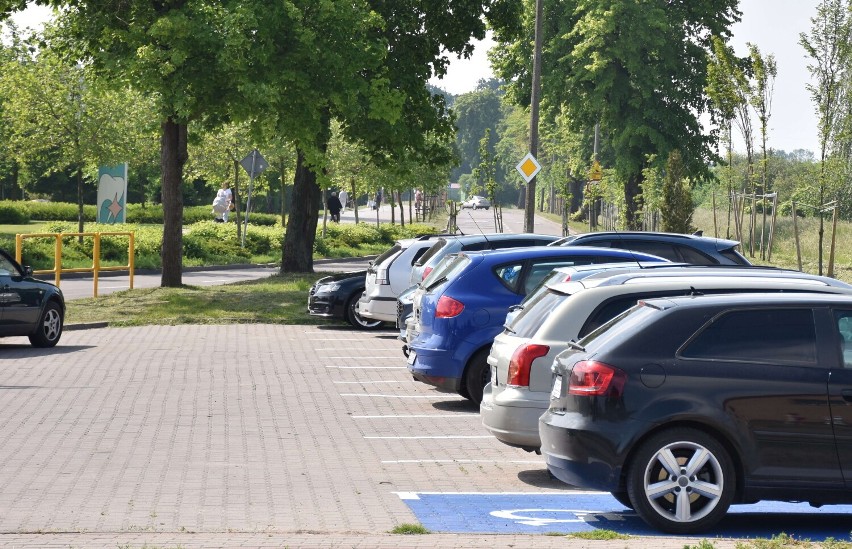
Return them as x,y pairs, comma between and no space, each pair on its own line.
369,382
416,495
430,437
427,416
366,367
350,358
393,396
335,339
516,461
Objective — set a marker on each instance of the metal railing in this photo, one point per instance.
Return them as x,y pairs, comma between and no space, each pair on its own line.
96,267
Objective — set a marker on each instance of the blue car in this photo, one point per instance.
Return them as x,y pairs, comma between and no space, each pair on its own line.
461,306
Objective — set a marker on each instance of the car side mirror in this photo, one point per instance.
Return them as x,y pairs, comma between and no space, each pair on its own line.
28,271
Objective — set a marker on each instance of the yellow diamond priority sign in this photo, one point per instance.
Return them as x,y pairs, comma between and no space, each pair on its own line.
528,167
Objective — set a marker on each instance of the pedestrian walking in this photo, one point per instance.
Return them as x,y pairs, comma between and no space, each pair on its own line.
344,199
223,203
334,207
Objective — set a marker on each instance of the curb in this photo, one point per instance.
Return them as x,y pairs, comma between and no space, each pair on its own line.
84,326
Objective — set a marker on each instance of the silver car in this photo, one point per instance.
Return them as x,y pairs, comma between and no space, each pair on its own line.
522,354
388,277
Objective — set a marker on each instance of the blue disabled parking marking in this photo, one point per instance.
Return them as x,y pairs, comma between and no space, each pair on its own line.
572,512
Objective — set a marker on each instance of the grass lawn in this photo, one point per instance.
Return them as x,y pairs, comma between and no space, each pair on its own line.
273,300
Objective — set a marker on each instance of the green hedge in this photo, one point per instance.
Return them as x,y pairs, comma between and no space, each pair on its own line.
206,243
19,212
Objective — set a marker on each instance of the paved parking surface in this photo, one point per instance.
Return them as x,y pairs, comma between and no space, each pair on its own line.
250,436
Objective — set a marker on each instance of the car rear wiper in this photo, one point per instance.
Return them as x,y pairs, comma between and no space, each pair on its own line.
576,346
436,283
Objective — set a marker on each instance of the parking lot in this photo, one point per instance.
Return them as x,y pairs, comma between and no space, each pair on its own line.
259,435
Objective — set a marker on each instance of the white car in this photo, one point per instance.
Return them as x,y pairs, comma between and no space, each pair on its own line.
475,202
521,356
388,276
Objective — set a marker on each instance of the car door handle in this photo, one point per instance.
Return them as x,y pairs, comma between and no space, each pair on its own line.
847,395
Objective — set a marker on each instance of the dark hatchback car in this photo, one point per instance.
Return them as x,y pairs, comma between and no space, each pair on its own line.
29,307
337,296
739,398
680,248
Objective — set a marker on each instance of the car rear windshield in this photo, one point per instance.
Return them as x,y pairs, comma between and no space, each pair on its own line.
446,269
395,249
734,255
527,322
436,247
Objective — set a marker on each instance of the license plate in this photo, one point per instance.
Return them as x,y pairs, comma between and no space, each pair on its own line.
556,391
494,376
412,356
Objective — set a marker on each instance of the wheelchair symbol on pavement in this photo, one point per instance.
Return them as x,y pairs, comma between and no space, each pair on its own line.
522,516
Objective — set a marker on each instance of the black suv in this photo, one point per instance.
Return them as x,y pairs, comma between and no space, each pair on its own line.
680,248
739,398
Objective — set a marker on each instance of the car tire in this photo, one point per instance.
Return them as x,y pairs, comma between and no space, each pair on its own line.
476,376
355,319
622,498
692,497
49,328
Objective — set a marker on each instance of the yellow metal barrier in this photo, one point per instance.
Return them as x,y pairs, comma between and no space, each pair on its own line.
96,267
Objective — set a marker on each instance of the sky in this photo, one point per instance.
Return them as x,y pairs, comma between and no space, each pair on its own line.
773,25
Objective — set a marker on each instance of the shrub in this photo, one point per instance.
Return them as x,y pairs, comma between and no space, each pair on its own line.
11,215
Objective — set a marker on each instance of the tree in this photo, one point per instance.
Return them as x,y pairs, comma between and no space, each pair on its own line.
63,119
197,61
828,46
639,69
677,207
476,112
725,83
392,113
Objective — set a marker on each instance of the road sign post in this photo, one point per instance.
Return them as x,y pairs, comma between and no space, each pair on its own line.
254,164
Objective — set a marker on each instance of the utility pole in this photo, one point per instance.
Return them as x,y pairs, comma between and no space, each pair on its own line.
529,212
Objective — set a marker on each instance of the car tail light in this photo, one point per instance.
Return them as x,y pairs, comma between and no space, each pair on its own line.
426,272
522,359
592,378
448,307
382,276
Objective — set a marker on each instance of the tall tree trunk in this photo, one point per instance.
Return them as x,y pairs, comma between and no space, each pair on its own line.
632,190
354,198
235,190
173,156
80,220
297,255
401,209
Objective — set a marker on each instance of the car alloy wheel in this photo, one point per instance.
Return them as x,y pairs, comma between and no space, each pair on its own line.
681,481
49,327
356,319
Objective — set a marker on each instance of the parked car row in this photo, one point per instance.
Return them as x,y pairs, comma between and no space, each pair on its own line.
681,382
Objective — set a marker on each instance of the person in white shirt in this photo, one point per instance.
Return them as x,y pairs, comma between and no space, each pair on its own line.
344,197
222,203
